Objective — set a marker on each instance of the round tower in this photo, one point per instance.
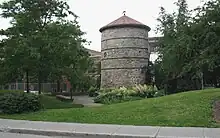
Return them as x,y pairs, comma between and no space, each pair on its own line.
125,52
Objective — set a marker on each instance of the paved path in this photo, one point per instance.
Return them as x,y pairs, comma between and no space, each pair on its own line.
86,101
102,131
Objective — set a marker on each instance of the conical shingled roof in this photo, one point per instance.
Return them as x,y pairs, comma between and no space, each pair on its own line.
125,21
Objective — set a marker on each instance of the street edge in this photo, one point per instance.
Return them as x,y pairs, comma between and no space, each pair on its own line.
67,133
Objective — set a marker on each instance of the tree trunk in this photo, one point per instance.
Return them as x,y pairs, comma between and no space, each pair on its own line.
58,85
171,86
202,80
215,81
39,83
27,81
71,94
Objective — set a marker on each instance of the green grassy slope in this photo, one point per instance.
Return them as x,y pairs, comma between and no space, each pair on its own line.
50,102
184,109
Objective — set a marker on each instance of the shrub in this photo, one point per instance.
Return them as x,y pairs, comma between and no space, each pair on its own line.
117,95
145,90
93,92
2,92
123,94
106,90
19,102
159,93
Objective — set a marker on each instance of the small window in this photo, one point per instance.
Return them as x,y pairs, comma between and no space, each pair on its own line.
105,54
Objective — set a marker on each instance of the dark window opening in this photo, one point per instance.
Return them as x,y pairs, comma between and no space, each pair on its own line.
143,69
105,54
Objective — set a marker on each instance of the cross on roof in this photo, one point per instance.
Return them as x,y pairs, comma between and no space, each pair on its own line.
124,12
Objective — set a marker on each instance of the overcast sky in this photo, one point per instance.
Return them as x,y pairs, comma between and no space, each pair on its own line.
96,13
93,14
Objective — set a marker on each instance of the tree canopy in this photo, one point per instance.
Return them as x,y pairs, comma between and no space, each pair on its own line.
190,44
41,41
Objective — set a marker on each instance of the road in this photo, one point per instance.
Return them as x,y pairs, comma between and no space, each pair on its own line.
13,135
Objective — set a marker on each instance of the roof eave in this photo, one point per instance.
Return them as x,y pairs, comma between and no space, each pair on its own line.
125,25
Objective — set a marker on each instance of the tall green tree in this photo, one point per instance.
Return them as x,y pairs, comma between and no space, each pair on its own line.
44,41
66,42
176,47
190,46
206,34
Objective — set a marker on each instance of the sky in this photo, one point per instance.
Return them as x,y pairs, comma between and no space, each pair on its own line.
94,14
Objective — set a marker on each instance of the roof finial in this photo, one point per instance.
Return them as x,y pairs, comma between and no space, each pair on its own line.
124,12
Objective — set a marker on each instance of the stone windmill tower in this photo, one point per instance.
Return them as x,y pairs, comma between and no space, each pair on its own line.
125,52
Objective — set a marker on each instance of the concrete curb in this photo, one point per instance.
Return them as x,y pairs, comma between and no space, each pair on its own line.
67,133
103,131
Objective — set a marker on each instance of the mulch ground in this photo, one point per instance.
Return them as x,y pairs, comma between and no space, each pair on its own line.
217,111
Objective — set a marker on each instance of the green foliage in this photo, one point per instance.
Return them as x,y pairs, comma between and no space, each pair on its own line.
106,90
2,92
116,96
160,77
189,47
42,42
173,43
72,60
19,102
123,94
147,91
93,92
159,93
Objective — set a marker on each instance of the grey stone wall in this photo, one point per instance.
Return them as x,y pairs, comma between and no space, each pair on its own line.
121,77
124,42
123,63
124,32
125,51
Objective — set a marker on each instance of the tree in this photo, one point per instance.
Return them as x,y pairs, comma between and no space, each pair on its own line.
159,75
76,73
66,42
46,42
190,46
16,57
206,34
175,49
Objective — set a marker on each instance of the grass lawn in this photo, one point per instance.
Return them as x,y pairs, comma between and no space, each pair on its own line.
184,109
50,102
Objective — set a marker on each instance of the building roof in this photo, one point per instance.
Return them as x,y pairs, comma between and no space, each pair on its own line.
93,52
125,21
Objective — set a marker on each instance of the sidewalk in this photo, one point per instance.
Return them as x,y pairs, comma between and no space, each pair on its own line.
103,131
